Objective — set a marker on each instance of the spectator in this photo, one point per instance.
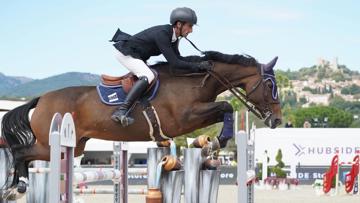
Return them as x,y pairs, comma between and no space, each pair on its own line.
289,124
307,124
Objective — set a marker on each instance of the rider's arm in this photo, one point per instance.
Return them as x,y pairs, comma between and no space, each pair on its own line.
164,44
192,58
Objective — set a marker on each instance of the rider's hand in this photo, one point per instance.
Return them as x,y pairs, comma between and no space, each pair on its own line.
205,66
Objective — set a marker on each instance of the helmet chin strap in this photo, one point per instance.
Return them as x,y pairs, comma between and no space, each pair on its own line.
181,32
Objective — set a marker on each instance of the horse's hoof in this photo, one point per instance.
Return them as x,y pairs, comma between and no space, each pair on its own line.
12,194
21,187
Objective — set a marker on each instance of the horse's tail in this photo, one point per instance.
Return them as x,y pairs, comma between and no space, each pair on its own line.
16,133
16,128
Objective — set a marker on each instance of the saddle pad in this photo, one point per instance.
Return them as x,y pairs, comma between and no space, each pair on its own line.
115,95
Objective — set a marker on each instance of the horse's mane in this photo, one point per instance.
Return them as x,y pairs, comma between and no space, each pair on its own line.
244,60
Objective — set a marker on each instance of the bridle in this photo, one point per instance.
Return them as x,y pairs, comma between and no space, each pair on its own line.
245,98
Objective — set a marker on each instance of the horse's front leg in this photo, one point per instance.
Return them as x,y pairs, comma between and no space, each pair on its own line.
210,113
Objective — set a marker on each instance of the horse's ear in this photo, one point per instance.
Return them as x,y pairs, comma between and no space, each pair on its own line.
269,66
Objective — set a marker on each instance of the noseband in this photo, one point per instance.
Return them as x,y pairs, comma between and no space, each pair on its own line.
245,98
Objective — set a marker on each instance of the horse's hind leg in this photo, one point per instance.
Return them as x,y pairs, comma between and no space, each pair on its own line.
23,175
22,158
20,177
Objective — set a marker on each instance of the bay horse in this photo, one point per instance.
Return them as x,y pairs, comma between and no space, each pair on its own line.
183,104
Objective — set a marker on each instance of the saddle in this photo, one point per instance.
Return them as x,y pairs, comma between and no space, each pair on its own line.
126,81
113,91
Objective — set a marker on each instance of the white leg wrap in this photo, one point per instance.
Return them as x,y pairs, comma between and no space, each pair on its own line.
23,179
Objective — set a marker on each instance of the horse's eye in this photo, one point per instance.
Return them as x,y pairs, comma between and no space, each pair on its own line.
270,85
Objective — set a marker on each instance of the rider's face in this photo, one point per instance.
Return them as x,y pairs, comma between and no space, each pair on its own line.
183,29
186,29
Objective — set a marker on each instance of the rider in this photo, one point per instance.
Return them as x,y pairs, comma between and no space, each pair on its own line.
133,52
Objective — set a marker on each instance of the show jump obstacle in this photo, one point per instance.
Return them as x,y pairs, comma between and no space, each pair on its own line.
62,140
199,185
352,178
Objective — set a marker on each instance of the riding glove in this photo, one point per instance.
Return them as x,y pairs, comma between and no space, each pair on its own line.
204,66
210,55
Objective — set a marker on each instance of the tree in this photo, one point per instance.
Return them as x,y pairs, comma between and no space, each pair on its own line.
337,76
336,118
353,89
281,80
351,107
289,97
321,73
278,168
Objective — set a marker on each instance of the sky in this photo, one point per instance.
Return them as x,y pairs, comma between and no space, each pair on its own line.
42,38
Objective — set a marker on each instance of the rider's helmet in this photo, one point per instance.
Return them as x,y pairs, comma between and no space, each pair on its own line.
183,14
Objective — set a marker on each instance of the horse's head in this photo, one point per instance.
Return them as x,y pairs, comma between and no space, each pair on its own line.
261,94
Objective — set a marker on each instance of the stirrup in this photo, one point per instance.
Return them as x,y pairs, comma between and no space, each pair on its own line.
126,121
118,114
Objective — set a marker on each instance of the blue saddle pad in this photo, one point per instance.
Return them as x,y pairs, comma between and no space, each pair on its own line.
115,95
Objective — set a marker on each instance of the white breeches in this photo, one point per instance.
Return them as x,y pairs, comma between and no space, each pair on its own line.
136,66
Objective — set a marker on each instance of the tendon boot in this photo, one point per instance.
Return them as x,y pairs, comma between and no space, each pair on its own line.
120,115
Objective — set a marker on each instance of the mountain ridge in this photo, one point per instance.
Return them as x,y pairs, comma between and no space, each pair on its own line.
17,87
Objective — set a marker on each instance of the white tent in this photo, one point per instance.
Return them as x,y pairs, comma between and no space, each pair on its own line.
6,105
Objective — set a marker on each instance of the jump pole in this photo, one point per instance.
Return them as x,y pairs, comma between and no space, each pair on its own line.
121,163
62,139
245,141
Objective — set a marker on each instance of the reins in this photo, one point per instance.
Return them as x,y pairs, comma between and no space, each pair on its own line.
237,93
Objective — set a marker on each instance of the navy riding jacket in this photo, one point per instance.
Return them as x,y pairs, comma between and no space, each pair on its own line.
153,42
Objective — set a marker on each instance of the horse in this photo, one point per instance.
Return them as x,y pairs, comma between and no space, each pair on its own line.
183,104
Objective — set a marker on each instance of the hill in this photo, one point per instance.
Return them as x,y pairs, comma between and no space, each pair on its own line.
8,82
23,87
341,73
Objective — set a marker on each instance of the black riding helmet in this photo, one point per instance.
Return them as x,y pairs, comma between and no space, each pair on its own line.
183,14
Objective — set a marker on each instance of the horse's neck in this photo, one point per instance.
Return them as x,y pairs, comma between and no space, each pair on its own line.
205,87
196,87
236,74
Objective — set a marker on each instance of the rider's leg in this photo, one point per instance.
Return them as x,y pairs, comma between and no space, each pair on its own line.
136,91
145,75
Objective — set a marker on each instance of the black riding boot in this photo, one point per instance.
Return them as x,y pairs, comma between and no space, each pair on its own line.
136,91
